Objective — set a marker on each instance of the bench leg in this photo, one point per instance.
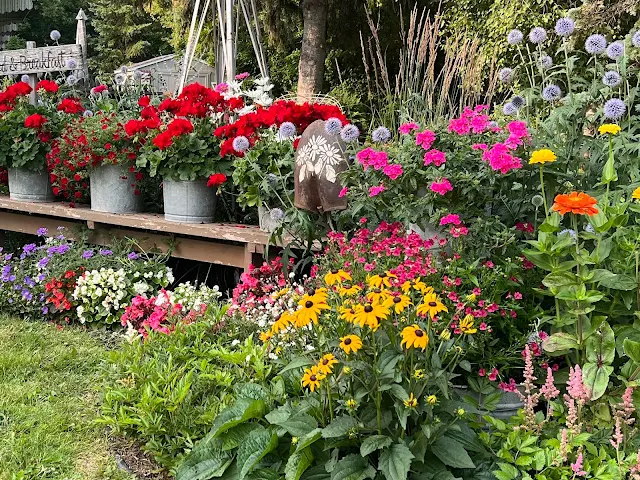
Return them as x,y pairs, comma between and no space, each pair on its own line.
253,255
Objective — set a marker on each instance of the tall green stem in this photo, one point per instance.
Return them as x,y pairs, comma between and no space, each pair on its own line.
544,196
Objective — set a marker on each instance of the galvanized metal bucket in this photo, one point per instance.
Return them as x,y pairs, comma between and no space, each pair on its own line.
31,186
189,201
113,190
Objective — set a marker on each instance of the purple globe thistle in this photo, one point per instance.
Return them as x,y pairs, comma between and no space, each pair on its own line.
595,44
24,78
537,35
71,64
55,35
276,214
551,93
333,126
545,61
349,133
505,75
635,40
518,101
132,256
72,80
614,108
509,109
240,143
565,26
514,37
287,130
381,135
615,50
611,78
272,179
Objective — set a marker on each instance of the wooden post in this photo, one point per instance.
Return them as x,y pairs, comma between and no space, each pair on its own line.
231,68
33,78
81,39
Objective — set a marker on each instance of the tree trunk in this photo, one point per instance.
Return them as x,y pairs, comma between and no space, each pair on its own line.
314,49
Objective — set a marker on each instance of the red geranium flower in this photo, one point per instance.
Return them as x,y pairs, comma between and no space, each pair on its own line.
99,88
35,121
144,101
70,105
47,85
164,140
216,180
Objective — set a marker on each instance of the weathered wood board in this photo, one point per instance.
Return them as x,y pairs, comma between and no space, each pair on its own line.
41,59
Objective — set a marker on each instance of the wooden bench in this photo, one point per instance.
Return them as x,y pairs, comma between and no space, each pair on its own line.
221,243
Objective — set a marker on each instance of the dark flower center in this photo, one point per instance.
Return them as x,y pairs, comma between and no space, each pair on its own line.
334,271
419,333
368,309
313,378
377,290
382,275
433,304
352,311
308,304
325,361
347,341
397,299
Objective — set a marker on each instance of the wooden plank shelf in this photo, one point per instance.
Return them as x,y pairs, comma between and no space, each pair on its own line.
222,243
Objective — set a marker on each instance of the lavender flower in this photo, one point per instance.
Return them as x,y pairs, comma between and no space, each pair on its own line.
615,50
509,109
54,35
551,92
72,80
241,144
45,310
276,214
44,261
87,254
595,44
349,133
514,37
611,78
635,40
132,256
105,252
24,78
120,78
60,228
537,35
26,294
87,113
518,101
287,130
42,232
565,26
381,135
614,108
333,126
545,61
28,281
29,248
505,75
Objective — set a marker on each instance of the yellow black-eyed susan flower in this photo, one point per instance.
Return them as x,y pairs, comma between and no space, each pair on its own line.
431,305
414,336
378,295
336,276
350,344
348,290
326,363
310,307
381,280
399,303
312,377
282,323
370,314
411,402
347,313
466,325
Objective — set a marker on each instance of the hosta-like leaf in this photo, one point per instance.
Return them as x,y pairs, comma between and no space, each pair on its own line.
395,462
258,443
352,467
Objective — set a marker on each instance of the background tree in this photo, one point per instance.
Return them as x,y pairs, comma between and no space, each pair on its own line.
313,52
48,15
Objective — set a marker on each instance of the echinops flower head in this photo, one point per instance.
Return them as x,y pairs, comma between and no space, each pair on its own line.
71,64
595,44
509,109
611,78
24,78
537,35
54,35
514,37
614,108
240,143
72,80
381,135
635,40
565,26
287,130
505,75
615,50
551,93
276,214
545,61
120,78
349,133
518,101
333,126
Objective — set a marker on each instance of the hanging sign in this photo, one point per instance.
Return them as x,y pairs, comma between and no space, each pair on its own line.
42,59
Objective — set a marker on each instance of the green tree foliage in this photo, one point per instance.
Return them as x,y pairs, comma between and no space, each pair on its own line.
48,15
125,32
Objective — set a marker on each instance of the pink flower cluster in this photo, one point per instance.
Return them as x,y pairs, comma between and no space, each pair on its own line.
408,127
472,121
500,156
425,139
441,187
434,156
379,160
257,285
450,219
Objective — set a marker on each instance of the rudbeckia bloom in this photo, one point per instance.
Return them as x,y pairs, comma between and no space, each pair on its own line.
610,128
326,363
350,344
312,377
414,336
378,296
431,305
282,323
383,279
399,303
467,325
348,290
418,285
636,194
320,294
347,313
542,156
265,336
370,314
411,402
336,276
578,203
310,308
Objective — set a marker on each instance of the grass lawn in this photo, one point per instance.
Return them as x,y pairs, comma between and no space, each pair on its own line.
48,403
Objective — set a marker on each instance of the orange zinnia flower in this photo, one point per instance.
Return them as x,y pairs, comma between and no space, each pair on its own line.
578,203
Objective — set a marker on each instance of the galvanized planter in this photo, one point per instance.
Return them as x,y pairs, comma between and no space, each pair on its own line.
113,190
189,201
30,186
507,407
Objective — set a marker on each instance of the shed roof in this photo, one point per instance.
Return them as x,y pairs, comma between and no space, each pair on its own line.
7,6
163,58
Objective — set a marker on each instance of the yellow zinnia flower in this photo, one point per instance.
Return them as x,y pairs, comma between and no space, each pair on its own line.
467,325
636,194
610,128
378,296
370,314
431,305
542,156
350,344
312,377
336,276
326,363
411,402
399,303
310,308
383,279
349,290
414,336
282,323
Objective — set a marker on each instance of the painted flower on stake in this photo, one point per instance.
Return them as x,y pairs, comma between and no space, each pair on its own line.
542,156
414,337
609,128
350,344
636,194
578,203
431,305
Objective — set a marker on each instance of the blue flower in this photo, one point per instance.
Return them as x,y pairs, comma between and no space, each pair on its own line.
45,310
42,232
25,78
546,61
505,75
333,126
572,233
241,144
551,92
87,113
54,35
381,135
589,228
87,254
349,133
611,78
509,109
635,40
132,256
565,26
105,252
71,64
44,261
518,101
72,80
29,248
287,130
276,214
537,35
614,108
514,37
615,50
595,44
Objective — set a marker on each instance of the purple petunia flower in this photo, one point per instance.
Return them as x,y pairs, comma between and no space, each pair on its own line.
42,232
132,256
105,252
43,263
87,254
29,248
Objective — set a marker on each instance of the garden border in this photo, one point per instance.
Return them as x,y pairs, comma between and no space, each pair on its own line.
221,243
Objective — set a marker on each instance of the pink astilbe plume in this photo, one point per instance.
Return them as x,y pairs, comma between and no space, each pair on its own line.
576,387
529,398
622,413
577,466
549,390
564,447
635,469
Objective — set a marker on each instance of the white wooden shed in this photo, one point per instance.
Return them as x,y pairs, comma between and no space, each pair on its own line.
162,74
11,14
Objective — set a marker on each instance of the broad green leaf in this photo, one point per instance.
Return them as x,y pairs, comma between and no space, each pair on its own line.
596,379
452,453
373,443
352,467
308,439
236,435
395,462
257,444
298,424
319,472
296,363
539,259
279,415
298,462
207,460
339,427
619,282
241,411
632,350
559,342
559,279
601,346
264,474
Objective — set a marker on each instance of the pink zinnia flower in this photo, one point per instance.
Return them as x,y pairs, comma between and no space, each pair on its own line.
479,146
489,264
441,187
343,192
425,139
450,218
373,191
434,156
393,171
482,372
408,127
